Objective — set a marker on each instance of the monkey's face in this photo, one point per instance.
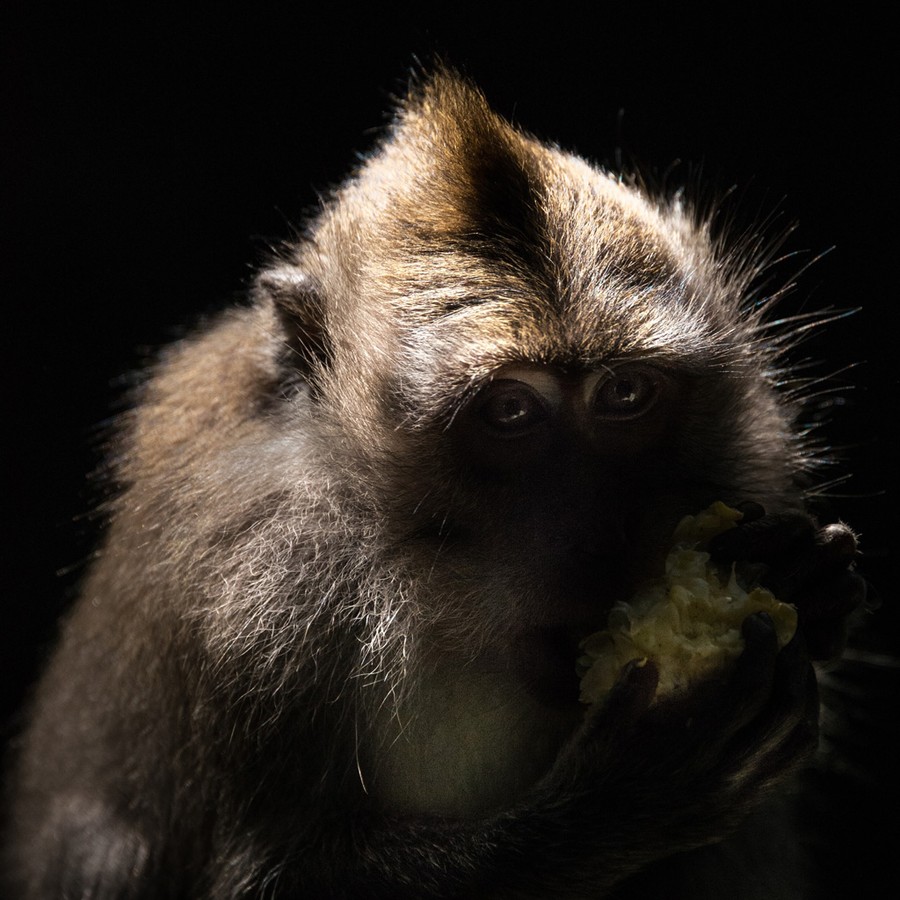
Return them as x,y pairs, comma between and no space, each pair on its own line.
554,370
556,464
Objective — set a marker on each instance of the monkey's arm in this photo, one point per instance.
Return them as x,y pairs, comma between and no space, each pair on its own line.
633,785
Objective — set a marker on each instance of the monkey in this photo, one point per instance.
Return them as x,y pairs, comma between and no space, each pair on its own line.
363,519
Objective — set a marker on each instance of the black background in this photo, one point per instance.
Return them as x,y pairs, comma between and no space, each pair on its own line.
150,158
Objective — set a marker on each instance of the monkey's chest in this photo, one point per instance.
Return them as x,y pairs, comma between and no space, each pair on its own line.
466,743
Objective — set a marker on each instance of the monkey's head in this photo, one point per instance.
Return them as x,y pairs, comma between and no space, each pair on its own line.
528,368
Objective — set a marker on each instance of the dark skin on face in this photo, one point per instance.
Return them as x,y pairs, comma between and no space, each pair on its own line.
564,452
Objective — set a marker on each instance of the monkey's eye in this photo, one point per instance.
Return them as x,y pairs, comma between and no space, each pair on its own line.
511,408
626,393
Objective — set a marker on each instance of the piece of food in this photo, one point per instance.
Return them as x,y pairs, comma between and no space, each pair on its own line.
688,621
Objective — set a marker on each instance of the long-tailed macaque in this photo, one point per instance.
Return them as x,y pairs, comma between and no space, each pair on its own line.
328,648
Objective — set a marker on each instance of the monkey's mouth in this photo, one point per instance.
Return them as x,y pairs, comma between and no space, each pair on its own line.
548,650
547,662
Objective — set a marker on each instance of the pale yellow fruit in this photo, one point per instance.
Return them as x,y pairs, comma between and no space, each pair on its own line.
688,621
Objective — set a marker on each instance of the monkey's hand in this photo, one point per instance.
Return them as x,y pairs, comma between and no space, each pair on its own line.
800,563
640,782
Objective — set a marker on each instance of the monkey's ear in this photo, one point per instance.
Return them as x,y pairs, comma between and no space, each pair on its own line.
297,299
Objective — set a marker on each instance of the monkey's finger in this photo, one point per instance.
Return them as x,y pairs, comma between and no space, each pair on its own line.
629,699
786,730
608,730
747,692
796,691
751,682
824,608
839,542
812,573
769,539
